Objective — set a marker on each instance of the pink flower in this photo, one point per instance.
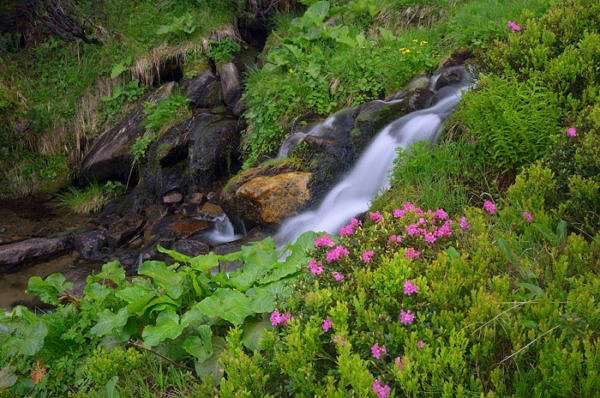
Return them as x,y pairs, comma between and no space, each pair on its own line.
279,319
411,253
355,223
410,288
527,216
422,221
337,276
489,206
420,344
336,253
367,256
429,238
398,213
464,224
513,26
314,267
571,132
412,229
375,216
395,239
445,231
324,241
382,390
399,362
326,325
408,207
406,317
440,214
378,351
346,230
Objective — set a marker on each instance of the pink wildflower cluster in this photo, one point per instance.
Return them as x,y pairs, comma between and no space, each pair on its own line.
348,230
399,362
527,216
367,256
395,239
411,253
490,207
513,26
381,390
338,276
571,132
375,216
324,241
336,254
378,351
315,267
420,344
278,319
410,288
326,325
406,317
464,224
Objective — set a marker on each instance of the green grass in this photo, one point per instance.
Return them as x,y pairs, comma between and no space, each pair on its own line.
90,199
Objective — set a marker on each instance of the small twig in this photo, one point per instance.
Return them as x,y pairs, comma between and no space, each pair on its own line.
500,314
528,344
143,347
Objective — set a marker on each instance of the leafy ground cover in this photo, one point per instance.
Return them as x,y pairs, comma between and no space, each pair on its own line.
492,292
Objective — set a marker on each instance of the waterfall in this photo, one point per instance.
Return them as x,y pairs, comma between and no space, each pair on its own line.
222,231
317,130
371,174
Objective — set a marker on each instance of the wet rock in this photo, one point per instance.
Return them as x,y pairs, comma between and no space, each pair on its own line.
372,117
188,227
13,255
191,247
210,210
174,227
172,198
420,98
89,244
110,155
230,84
269,199
123,230
197,198
214,149
449,76
204,91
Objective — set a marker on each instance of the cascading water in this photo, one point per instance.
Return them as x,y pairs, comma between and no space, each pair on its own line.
370,175
317,130
222,231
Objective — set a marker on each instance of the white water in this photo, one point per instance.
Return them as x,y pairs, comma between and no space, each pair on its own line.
293,140
223,231
370,175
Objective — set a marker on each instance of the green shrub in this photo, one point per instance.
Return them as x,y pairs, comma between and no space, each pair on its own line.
513,123
223,51
162,115
121,95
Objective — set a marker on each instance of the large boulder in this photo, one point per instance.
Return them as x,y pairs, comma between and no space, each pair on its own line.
260,198
213,151
14,254
204,91
230,84
110,155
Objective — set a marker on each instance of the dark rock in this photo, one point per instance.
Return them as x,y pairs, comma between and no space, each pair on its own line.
210,211
90,243
420,98
191,247
449,76
174,227
214,149
230,84
197,198
13,255
110,155
172,198
372,117
123,230
204,91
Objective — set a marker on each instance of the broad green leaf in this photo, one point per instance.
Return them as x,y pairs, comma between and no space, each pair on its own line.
137,297
211,366
110,323
534,290
112,271
259,259
7,377
48,289
169,280
111,388
117,70
228,304
97,292
253,333
263,298
316,13
200,346
167,327
204,263
194,317
161,303
175,255
31,339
